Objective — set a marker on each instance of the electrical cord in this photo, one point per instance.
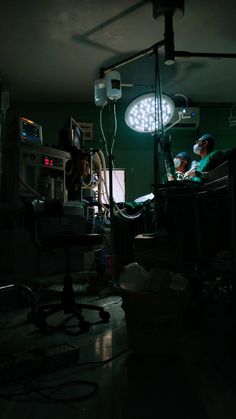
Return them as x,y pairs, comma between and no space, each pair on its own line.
106,361
31,388
128,216
102,131
123,213
40,391
118,211
95,363
115,127
76,399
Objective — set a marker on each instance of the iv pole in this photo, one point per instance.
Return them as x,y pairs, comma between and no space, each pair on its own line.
111,202
158,135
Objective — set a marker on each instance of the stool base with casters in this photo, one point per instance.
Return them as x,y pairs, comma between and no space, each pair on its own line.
67,303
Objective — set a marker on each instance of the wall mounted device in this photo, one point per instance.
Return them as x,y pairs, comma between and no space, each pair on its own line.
185,118
29,132
232,117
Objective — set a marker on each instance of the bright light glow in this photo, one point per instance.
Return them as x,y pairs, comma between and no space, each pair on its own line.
118,183
140,114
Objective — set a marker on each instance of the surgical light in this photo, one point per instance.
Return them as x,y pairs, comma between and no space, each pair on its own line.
144,114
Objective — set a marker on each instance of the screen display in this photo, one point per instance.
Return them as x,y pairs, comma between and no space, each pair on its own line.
49,161
77,137
29,131
77,134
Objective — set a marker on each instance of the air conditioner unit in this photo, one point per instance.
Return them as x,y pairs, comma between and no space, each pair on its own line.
232,117
185,118
232,121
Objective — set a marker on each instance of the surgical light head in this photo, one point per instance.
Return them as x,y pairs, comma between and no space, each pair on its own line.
144,114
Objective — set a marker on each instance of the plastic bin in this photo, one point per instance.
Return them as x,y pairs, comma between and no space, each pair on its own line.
154,321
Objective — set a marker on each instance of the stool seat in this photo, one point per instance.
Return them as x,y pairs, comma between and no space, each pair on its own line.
35,211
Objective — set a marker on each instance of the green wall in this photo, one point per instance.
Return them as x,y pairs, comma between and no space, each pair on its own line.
132,151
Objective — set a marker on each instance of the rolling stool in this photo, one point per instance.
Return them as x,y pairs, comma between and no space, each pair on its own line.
65,241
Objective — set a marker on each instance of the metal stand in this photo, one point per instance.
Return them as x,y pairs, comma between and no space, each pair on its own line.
157,177
111,204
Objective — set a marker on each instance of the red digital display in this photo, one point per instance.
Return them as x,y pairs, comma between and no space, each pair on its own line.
51,162
48,161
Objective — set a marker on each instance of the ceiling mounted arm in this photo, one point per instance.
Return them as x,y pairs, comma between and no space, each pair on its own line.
147,51
169,39
161,7
188,54
168,9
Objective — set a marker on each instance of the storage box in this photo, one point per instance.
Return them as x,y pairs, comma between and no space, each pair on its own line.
154,322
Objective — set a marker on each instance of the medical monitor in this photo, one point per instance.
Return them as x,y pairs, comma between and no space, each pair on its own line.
76,134
29,132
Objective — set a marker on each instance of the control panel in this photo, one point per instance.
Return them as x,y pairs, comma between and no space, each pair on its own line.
49,161
35,170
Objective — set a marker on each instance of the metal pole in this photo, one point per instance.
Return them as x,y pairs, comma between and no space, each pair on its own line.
203,54
134,57
157,138
111,202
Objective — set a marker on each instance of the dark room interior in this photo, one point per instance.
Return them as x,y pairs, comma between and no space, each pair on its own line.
118,209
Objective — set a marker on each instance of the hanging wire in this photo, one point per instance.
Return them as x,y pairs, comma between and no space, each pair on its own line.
115,126
158,88
103,184
157,134
102,131
157,120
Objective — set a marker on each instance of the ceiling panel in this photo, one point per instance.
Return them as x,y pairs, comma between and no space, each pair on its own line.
53,50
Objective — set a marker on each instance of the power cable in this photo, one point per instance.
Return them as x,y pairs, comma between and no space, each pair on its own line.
40,390
30,388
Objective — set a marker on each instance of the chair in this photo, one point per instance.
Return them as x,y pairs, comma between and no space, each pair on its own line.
35,210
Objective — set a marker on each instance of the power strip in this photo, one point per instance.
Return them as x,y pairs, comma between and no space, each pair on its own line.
41,361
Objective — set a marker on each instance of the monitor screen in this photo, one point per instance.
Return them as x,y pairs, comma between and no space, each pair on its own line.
76,134
29,131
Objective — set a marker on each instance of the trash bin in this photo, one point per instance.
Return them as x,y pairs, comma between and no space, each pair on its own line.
154,321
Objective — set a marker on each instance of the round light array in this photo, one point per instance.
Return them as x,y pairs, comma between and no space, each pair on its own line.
140,114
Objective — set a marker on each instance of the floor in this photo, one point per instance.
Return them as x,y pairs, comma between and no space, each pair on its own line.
68,374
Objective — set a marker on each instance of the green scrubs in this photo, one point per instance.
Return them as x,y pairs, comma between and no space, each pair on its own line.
209,162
